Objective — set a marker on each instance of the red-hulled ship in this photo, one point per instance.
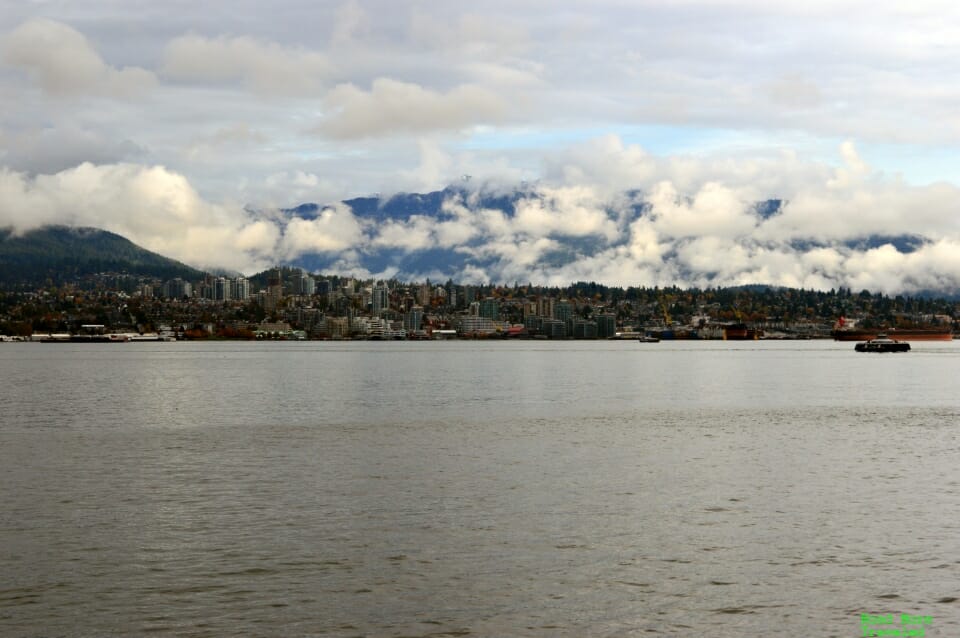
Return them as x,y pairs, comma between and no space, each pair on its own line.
740,332
842,333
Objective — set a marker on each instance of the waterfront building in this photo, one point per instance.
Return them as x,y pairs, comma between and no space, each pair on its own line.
584,329
554,328
377,328
606,326
474,326
337,327
533,324
274,326
397,331
413,319
490,308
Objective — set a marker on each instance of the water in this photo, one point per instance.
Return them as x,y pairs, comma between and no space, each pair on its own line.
477,489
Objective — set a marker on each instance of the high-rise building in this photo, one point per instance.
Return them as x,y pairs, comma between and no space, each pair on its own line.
274,290
221,289
545,306
563,310
425,294
380,298
301,283
240,289
413,319
177,289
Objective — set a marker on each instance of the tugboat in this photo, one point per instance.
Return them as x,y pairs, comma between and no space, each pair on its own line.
882,344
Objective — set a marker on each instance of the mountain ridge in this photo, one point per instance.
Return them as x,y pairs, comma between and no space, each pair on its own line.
59,254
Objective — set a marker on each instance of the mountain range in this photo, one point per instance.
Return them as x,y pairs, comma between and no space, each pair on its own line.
565,247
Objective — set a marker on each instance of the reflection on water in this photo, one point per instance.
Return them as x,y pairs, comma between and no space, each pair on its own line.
488,489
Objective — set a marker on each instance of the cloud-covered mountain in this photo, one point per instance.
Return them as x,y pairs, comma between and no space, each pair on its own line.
558,235
604,212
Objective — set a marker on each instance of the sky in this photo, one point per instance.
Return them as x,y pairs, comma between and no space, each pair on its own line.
185,126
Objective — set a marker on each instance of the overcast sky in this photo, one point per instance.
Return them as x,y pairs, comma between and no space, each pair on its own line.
170,122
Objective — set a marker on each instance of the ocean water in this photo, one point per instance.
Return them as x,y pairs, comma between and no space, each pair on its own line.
477,489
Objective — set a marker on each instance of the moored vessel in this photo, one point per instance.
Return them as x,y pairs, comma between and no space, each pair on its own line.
740,332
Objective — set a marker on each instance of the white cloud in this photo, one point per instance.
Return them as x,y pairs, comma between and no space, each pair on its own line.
716,211
65,63
574,211
411,235
394,107
334,229
351,21
264,67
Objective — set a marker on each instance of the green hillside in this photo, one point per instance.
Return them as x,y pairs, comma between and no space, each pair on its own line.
59,254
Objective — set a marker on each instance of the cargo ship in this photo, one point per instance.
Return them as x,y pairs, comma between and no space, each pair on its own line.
740,332
842,332
672,334
899,334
